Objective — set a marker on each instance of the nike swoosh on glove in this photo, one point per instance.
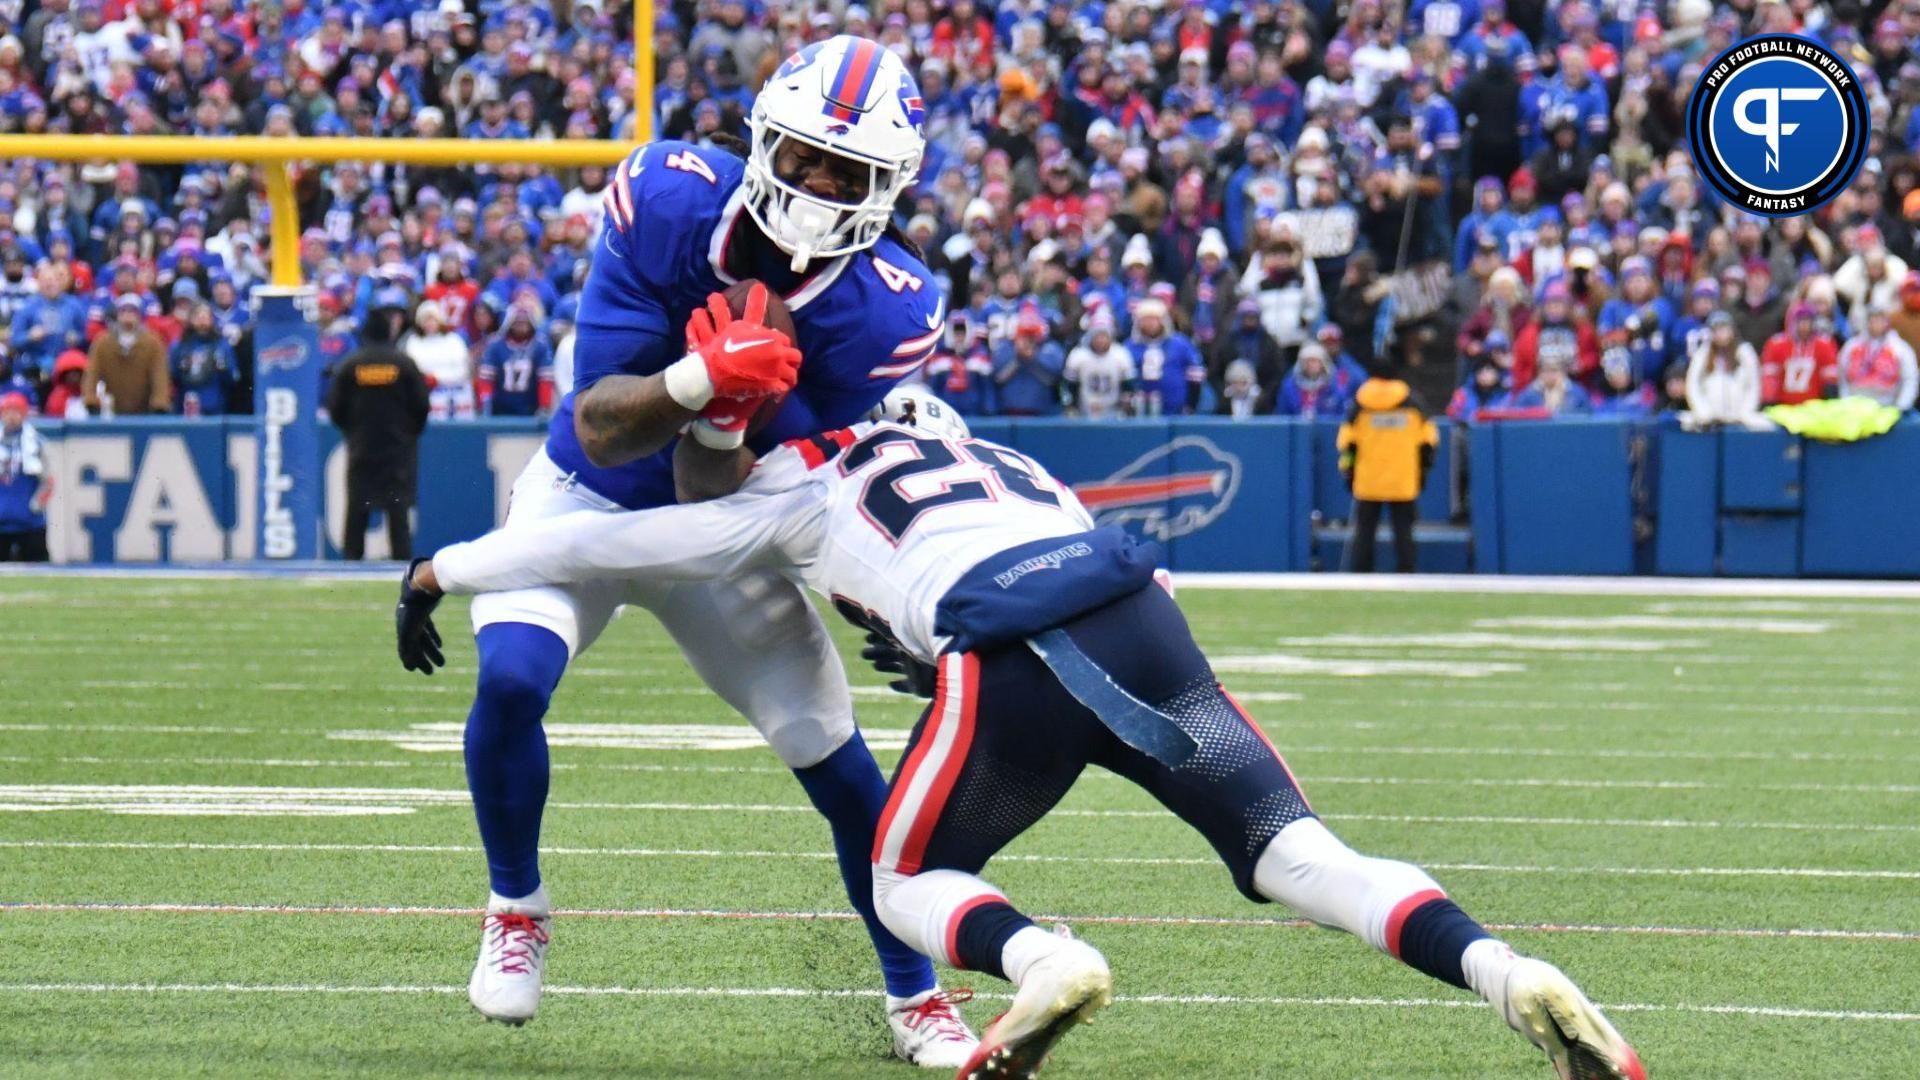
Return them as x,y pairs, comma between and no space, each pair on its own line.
735,358
413,626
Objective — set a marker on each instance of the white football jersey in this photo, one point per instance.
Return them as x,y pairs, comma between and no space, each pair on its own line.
882,517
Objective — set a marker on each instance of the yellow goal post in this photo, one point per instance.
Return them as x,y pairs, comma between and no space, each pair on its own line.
277,156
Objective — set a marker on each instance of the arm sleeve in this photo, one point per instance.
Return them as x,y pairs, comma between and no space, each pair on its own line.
693,542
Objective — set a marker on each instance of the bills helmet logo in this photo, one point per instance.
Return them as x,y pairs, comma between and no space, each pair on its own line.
287,355
838,129
912,105
798,61
1172,491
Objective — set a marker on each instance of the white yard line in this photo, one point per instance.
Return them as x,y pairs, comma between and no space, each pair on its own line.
1088,860
1552,586
1655,622
1482,642
1769,1011
848,916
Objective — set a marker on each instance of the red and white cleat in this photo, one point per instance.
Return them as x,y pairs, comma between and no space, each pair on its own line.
1064,989
513,958
1545,1006
928,1030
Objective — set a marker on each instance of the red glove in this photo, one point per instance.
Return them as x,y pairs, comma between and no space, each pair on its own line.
732,358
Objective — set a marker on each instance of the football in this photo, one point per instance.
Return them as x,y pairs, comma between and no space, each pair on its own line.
777,317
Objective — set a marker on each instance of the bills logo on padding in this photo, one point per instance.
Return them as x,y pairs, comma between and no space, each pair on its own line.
1778,124
1171,491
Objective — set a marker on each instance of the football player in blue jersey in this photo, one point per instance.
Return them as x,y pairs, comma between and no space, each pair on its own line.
836,140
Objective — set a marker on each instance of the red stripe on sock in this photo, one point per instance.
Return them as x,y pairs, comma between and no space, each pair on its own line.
960,913
1397,921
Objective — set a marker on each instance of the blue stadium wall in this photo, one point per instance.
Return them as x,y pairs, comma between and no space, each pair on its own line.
1570,497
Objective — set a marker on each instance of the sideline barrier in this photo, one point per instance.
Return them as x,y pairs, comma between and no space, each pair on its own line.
1570,497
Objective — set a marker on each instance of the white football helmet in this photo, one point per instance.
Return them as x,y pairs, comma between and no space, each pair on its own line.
917,409
848,96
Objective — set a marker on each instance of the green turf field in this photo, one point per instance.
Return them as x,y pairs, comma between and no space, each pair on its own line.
234,841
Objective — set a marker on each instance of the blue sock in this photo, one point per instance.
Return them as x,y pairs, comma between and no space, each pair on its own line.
982,937
507,749
850,793
1435,936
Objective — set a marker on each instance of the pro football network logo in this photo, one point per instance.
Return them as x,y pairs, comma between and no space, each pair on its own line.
1778,124
1174,490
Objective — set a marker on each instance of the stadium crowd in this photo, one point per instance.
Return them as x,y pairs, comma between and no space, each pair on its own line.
1216,206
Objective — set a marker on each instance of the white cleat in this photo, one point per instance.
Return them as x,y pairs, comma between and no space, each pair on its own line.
1545,1006
928,1030
1062,990
513,958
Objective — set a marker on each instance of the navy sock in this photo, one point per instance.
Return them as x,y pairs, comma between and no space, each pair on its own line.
982,937
850,793
507,749
1434,936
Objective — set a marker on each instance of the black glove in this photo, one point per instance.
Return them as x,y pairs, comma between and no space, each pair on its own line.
888,658
413,626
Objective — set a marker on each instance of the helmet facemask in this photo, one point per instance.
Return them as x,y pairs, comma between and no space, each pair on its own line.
808,226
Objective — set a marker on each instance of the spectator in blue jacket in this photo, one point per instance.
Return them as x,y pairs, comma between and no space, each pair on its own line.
24,484
47,323
1489,217
1026,369
202,365
1313,387
1173,377
1553,392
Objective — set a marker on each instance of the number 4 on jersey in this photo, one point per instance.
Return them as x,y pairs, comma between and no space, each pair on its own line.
693,163
896,279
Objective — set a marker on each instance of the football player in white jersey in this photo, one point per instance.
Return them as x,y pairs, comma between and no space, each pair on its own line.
1053,650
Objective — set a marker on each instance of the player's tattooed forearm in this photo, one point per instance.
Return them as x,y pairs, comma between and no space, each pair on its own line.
625,417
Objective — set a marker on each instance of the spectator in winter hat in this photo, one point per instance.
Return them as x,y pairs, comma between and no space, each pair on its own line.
1762,309
128,363
1489,217
1313,387
1723,379
1208,290
1486,383
1560,334
1504,308
25,486
1799,363
1879,364
1872,275
1101,376
1171,370
1027,368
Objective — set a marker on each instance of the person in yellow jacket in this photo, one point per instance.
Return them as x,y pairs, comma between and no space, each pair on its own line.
1386,447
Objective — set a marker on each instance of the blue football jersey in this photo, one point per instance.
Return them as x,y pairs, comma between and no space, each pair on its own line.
863,320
